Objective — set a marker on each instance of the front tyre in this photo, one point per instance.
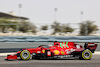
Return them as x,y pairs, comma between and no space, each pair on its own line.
86,54
25,55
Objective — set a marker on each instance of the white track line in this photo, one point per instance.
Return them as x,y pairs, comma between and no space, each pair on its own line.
96,52
5,54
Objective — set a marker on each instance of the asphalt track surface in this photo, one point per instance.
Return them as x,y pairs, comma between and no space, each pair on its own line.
94,62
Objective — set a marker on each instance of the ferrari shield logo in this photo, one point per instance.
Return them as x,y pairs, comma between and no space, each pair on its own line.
43,51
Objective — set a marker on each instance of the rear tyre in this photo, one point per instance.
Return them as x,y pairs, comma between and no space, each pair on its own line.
25,55
85,55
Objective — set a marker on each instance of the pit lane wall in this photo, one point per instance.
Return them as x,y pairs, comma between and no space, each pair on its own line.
49,38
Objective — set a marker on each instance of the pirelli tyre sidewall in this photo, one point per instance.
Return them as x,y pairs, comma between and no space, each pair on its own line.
86,54
25,55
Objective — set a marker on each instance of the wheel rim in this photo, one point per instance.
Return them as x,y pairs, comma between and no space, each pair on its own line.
86,54
25,55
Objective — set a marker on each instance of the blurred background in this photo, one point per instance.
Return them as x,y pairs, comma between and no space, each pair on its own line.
49,17
35,21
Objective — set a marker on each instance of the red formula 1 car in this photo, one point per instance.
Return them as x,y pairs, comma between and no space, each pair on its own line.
58,50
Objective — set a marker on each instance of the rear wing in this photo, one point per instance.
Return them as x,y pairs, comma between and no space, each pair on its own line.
90,46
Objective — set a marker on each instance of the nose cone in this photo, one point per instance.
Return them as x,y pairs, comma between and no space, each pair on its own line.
6,58
11,57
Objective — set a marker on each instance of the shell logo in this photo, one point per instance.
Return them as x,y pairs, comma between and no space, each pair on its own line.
43,51
56,52
62,52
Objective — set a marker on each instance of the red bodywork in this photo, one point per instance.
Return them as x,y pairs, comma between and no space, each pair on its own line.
58,49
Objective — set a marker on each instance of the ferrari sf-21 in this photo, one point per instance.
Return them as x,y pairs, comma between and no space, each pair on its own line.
57,50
